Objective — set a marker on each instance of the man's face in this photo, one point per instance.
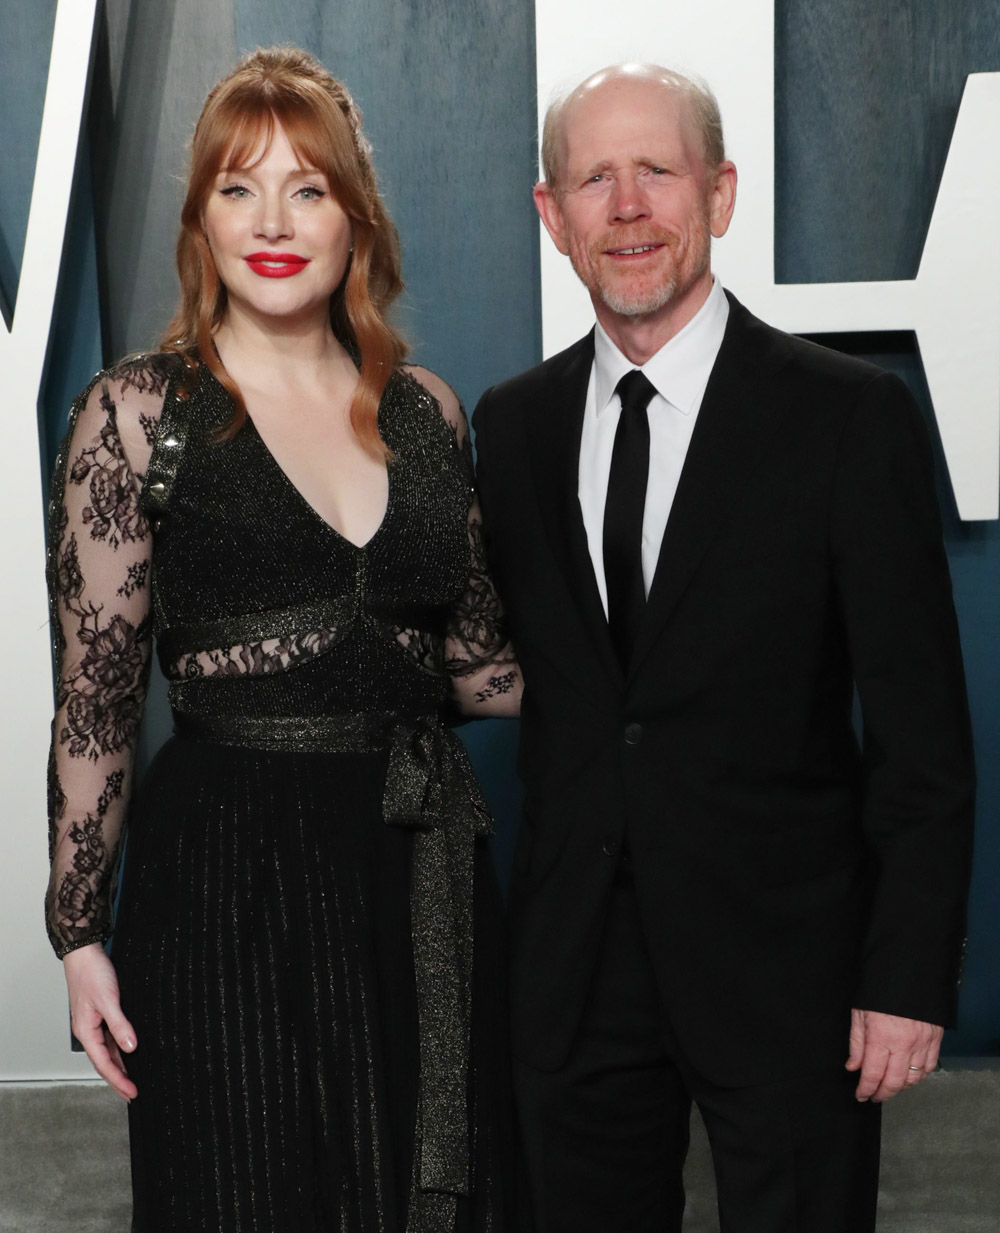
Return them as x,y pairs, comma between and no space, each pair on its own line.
636,206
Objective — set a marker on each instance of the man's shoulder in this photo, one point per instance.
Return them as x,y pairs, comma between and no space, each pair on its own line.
547,378
794,356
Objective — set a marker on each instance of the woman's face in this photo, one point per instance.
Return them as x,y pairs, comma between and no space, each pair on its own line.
280,239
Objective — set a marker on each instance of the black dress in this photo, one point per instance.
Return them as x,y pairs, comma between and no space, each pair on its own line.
307,939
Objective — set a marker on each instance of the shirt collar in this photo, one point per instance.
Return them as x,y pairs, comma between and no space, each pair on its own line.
679,371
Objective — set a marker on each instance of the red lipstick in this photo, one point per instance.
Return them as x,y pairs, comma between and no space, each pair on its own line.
276,265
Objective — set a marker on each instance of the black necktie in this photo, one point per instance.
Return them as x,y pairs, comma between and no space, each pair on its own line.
623,513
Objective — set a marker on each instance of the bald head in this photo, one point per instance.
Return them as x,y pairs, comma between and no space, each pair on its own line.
696,100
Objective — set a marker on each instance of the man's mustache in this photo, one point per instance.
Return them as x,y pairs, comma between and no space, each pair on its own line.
633,237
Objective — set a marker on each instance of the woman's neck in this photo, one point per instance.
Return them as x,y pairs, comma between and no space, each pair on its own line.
261,351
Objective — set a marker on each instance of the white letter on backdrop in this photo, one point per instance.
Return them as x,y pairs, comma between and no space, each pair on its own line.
34,1036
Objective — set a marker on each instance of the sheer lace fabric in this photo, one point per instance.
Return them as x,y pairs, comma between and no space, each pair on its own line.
102,541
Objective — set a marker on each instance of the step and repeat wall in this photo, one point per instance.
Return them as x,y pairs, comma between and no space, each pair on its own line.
863,219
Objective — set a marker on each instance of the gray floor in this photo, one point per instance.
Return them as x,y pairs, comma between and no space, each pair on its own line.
64,1160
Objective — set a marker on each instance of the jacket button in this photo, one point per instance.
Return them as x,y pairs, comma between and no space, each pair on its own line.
610,846
633,734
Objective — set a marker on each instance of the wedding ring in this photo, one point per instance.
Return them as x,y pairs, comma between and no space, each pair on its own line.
914,1068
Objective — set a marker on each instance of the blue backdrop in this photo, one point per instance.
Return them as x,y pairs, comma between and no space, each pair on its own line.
866,98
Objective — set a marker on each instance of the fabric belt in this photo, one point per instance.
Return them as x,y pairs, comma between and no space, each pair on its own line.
430,788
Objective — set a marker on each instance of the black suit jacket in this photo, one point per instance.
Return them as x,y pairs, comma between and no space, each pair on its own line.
785,873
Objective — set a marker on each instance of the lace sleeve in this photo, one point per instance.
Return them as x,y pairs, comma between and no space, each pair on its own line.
479,657
100,548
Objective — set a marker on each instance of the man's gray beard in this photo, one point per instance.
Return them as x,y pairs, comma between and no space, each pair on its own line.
634,304
627,304
630,304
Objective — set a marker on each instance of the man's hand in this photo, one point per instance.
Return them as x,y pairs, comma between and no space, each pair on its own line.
891,1052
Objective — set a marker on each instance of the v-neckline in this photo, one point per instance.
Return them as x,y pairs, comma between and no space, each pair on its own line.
306,504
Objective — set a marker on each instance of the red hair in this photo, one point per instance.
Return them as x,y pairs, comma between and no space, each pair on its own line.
287,87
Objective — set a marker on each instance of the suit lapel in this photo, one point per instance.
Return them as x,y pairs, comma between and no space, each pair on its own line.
734,423
554,427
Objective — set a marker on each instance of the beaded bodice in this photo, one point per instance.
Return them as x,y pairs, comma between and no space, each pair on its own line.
259,607
249,581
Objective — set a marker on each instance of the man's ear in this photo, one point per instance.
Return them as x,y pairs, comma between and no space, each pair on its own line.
723,200
550,212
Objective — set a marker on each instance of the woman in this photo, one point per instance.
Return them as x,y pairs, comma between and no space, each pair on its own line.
307,926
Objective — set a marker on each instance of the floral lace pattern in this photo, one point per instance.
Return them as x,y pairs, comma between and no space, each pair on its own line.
424,648
101,693
103,699
85,890
476,638
269,655
113,513
99,561
477,634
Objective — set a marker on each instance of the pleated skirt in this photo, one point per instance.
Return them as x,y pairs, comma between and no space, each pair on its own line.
264,956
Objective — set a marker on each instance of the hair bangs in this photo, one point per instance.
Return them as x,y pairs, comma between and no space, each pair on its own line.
249,138
316,129
323,141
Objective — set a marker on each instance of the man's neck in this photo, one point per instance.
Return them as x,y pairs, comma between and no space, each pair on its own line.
639,337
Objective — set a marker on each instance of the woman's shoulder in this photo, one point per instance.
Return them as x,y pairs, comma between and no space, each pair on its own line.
122,405
140,377
450,404
147,373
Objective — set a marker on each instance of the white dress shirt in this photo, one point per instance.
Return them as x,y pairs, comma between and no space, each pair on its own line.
679,372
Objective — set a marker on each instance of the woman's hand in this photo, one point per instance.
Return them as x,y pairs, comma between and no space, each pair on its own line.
96,1015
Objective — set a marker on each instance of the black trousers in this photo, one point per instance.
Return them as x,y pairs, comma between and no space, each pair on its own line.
606,1135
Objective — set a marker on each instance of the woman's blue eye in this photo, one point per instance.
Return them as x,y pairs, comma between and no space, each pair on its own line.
310,193
235,190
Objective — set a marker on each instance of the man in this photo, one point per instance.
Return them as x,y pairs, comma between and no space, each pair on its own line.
717,894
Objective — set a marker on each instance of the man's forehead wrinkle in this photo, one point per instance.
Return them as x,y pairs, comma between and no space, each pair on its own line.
603,164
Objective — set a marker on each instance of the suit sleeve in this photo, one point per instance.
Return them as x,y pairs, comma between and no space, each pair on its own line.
895,599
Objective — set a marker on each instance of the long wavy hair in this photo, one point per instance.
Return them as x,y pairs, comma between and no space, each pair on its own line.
286,86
